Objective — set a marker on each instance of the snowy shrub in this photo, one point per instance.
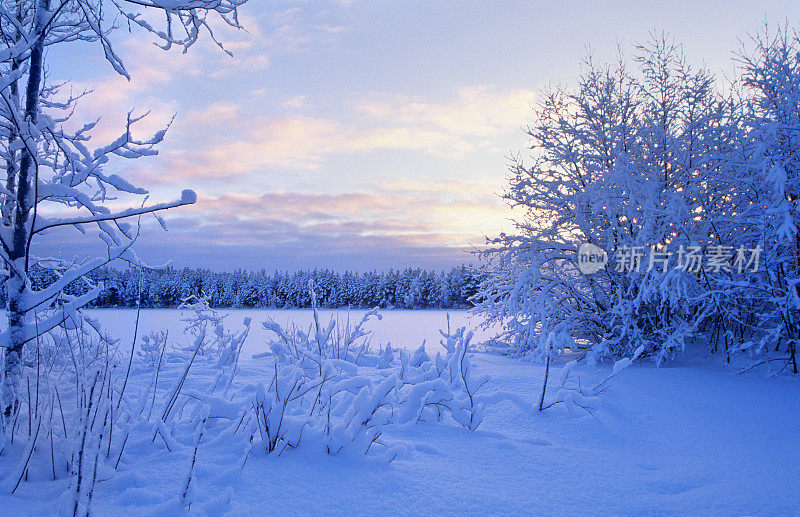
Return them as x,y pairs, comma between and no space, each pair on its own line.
279,418
66,426
364,417
325,395
658,157
151,349
575,394
386,357
761,313
466,408
602,175
338,340
203,323
346,396
316,385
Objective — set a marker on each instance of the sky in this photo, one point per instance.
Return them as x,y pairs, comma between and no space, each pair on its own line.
360,134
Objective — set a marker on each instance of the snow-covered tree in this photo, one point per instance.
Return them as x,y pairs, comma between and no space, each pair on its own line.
53,177
647,163
763,312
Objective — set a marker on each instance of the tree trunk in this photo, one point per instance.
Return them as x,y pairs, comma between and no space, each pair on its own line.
24,202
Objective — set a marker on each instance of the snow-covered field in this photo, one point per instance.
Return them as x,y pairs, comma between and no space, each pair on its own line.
687,438
402,328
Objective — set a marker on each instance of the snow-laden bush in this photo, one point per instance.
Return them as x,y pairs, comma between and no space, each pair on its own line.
151,349
467,406
346,396
576,394
82,407
75,379
203,323
621,161
660,157
206,327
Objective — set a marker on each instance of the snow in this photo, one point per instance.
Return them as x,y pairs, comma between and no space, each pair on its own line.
401,328
689,437
621,364
188,197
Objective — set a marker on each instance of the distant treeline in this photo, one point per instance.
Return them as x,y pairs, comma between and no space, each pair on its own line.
393,289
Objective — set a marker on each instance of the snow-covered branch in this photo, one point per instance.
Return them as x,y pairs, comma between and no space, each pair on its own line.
188,197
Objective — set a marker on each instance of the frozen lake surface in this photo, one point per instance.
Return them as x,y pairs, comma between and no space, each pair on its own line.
402,328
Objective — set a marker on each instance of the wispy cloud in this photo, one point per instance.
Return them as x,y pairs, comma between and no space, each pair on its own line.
437,214
476,111
153,71
265,156
227,139
290,230
298,29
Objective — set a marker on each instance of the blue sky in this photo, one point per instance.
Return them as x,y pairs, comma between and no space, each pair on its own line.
359,134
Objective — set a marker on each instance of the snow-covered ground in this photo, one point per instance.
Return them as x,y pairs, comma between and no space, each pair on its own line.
687,438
